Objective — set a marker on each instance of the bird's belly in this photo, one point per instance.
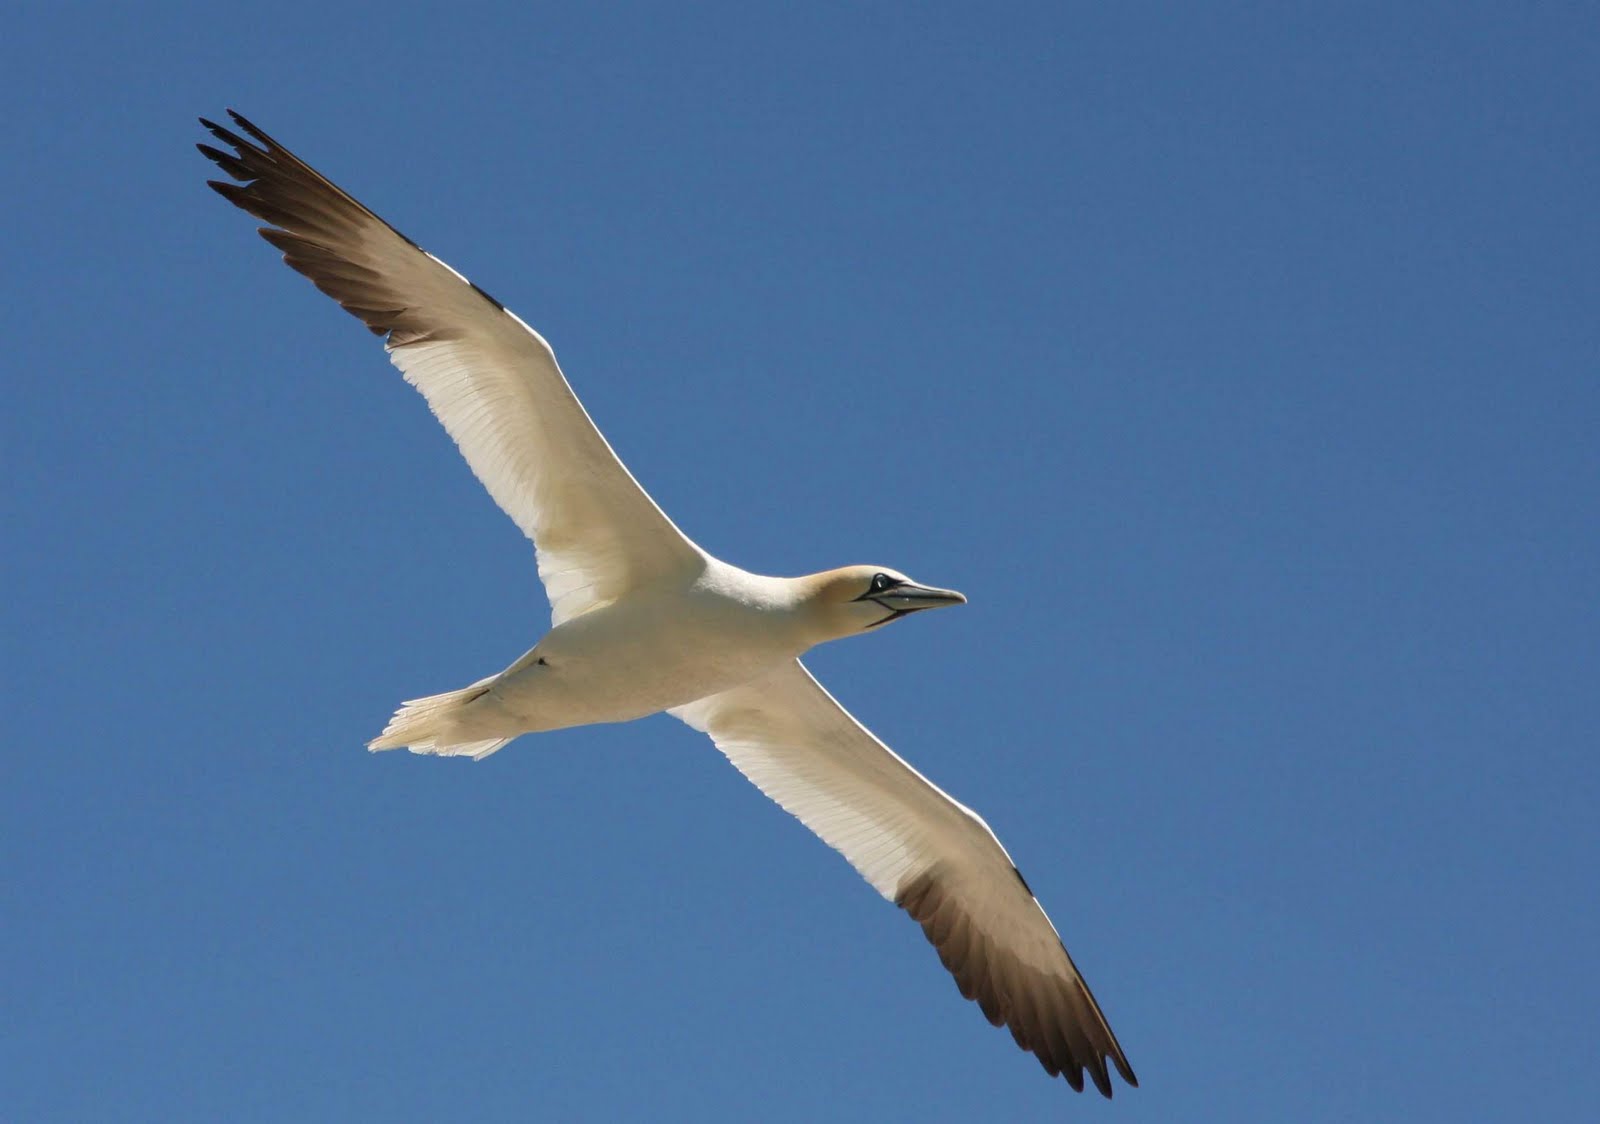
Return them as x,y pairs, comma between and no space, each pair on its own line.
615,670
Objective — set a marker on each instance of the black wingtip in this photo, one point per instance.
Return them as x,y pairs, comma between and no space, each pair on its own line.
229,163
226,136
244,123
1102,1080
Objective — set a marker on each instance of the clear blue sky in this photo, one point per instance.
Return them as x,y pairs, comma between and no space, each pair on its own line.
1241,366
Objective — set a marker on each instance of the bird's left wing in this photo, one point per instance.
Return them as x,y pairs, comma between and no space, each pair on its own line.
923,851
489,378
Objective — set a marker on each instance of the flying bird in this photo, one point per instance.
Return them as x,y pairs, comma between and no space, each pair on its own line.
643,620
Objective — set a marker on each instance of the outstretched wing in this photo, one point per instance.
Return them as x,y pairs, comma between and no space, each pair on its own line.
925,852
488,377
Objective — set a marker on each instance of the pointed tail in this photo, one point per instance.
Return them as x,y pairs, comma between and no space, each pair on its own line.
433,725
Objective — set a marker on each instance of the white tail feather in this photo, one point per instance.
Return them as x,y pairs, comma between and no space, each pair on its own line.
431,725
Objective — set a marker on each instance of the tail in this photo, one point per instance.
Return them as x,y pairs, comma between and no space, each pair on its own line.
433,725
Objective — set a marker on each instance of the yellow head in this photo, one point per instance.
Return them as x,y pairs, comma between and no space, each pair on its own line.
857,599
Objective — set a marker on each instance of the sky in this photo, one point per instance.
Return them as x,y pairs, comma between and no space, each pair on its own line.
1238,361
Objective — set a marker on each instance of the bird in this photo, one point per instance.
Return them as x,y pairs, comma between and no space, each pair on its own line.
643,620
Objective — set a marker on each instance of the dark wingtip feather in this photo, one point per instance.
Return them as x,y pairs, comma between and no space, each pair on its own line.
228,163
1064,1031
245,123
228,136
1102,1079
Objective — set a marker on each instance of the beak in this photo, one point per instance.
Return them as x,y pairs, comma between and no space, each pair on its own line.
910,597
913,598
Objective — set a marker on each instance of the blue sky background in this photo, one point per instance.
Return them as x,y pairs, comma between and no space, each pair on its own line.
1239,363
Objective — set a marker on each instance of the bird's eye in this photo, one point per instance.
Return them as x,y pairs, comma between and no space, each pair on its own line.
881,582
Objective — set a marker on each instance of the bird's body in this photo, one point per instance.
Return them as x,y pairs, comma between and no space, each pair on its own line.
676,640
644,620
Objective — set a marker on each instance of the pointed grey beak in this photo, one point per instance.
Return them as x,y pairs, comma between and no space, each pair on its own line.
911,598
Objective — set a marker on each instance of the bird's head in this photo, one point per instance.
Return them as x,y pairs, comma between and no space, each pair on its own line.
859,599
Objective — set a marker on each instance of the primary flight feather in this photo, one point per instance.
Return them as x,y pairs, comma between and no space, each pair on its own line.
643,620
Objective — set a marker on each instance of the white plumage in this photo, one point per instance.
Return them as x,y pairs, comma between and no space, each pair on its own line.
643,620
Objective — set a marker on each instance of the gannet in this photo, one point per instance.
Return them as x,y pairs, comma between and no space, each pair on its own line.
643,620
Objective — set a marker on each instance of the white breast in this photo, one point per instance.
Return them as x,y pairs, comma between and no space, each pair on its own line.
655,649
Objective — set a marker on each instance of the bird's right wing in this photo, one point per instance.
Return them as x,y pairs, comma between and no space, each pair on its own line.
489,378
925,852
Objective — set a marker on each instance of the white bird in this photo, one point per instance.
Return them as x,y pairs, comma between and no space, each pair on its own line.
643,620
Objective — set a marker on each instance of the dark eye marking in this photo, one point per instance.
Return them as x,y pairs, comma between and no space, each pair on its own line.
883,582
